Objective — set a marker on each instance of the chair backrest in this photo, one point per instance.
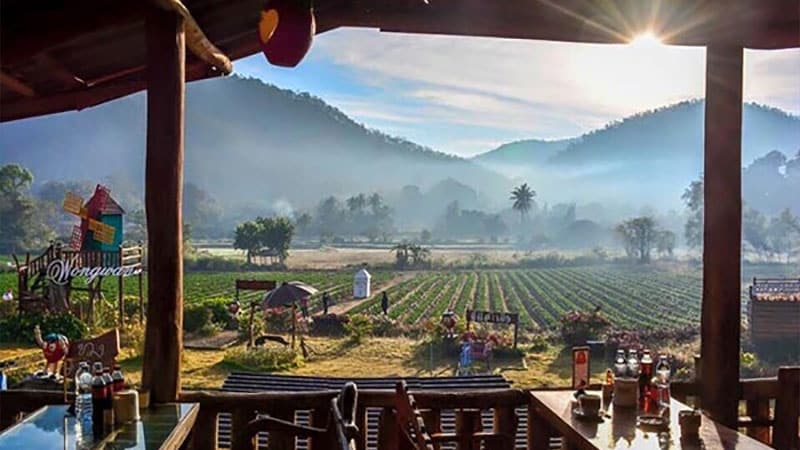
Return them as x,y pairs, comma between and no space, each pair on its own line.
786,432
409,419
343,410
103,349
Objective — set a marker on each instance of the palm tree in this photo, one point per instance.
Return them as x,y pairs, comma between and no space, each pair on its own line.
523,198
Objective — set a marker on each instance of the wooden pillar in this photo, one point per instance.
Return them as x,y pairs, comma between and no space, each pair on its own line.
722,236
166,55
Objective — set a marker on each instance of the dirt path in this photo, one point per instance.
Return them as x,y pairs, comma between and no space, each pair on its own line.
343,307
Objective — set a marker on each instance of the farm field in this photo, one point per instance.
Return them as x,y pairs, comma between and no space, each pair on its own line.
632,297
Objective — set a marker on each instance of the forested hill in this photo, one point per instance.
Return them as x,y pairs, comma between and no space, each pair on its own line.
676,132
246,141
525,151
673,132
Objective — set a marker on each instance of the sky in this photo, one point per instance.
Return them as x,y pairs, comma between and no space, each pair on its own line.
467,95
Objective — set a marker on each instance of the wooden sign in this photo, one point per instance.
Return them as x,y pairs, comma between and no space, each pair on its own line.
492,317
103,349
504,318
581,371
256,285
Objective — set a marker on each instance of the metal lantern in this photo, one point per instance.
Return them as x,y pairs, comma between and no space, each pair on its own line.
285,31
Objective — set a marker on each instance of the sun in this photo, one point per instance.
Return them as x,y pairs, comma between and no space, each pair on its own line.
646,39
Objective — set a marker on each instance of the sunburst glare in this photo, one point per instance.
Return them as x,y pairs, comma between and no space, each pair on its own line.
646,39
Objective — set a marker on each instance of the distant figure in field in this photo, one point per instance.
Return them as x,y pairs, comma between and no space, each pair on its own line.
326,299
304,307
385,303
8,295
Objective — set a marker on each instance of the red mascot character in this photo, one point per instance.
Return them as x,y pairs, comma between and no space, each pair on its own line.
55,347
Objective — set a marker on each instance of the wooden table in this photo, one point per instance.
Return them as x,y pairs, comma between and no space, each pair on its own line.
553,417
163,426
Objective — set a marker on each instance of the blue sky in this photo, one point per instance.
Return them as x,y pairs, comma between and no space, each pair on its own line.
467,95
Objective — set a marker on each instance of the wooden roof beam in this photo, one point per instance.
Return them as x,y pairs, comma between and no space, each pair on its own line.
196,39
15,85
68,79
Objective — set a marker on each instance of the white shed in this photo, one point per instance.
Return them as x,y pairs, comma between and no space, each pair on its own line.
361,284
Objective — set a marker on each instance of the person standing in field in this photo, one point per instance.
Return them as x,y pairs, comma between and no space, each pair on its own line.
385,303
304,307
326,299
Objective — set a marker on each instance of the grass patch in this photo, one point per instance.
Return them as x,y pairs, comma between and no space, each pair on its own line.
263,359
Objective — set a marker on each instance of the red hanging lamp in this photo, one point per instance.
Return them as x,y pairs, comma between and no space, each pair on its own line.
285,31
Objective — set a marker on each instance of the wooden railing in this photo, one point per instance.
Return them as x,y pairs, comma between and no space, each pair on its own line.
462,406
758,395
464,411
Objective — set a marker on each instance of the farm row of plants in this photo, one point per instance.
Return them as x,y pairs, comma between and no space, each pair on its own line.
631,299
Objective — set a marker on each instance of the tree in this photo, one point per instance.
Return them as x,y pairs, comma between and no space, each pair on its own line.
276,234
425,236
419,255
14,180
523,198
754,231
201,211
22,225
303,223
401,251
665,243
248,238
638,236
693,230
784,233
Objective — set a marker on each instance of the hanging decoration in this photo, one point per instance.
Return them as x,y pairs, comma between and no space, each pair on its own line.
285,31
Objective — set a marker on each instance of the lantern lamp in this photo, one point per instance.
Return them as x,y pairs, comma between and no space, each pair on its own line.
285,31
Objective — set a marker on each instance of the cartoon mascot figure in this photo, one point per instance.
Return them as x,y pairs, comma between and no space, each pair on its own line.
55,347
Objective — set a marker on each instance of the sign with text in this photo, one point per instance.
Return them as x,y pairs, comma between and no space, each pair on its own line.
580,367
103,349
256,285
492,317
61,271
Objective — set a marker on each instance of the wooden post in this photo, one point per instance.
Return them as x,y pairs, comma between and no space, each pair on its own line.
722,237
120,296
166,54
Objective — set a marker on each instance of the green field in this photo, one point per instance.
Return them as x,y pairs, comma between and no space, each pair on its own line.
201,286
632,297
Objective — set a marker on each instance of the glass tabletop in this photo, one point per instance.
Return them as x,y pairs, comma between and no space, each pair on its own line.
52,427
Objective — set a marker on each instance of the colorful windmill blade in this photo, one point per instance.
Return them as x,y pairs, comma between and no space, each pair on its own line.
286,30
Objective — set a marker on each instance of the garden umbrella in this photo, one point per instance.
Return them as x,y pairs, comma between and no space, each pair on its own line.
287,294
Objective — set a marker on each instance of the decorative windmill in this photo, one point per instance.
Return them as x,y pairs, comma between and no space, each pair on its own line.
101,216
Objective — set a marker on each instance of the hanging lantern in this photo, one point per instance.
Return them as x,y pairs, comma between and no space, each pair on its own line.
286,30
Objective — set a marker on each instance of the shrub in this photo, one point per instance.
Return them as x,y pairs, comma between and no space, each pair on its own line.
329,325
209,329
384,326
358,327
132,337
263,359
578,327
195,317
19,327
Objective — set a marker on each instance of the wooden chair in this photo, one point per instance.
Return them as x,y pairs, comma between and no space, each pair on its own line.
413,433
341,431
469,434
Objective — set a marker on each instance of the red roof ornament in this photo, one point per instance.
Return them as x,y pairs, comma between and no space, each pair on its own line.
285,31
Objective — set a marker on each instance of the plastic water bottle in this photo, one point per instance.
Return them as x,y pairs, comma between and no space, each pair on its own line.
633,364
620,367
83,392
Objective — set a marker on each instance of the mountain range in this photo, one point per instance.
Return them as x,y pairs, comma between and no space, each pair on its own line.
253,144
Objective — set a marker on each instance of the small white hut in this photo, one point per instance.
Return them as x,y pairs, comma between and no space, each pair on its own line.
361,284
